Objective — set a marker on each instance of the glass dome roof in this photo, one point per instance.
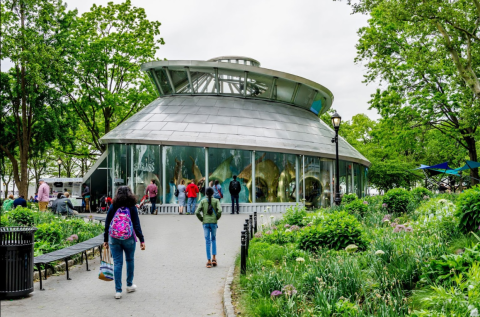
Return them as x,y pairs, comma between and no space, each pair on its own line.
237,76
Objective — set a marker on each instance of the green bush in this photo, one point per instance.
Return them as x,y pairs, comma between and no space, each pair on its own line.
49,232
356,206
397,200
348,198
334,231
295,215
22,216
419,193
468,209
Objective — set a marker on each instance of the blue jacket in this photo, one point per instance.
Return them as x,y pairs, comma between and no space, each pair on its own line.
19,202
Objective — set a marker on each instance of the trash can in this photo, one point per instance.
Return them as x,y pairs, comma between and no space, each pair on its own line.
16,261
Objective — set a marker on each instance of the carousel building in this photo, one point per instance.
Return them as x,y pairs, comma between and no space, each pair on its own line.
228,116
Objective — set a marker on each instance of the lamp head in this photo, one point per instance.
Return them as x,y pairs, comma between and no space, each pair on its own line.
336,120
59,161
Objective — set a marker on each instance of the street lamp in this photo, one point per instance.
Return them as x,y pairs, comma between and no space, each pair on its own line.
336,120
59,161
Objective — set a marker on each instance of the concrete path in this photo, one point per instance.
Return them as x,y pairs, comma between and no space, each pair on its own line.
170,274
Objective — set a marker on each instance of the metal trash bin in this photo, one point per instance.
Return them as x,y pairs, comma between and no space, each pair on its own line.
16,261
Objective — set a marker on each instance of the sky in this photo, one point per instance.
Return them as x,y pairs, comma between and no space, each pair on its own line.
314,39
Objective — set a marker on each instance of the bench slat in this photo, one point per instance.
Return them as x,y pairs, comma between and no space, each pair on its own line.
67,252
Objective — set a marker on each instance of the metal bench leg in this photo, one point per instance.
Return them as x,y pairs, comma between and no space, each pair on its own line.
86,260
46,268
40,274
66,266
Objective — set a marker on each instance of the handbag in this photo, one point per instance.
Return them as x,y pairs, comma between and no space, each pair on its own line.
106,267
176,192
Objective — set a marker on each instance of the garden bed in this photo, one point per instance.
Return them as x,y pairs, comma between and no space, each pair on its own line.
53,232
404,254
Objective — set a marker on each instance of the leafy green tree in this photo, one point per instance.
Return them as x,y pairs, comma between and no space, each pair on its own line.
105,85
33,110
428,53
390,174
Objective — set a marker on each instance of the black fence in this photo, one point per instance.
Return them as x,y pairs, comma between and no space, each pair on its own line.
249,230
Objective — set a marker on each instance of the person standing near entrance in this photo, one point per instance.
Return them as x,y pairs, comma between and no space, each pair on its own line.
152,191
182,198
234,188
86,197
192,193
122,227
43,195
217,190
208,212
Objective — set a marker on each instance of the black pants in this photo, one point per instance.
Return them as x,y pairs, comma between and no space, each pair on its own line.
235,198
153,200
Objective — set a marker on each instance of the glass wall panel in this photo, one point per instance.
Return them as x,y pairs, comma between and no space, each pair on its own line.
274,177
259,85
117,164
146,166
230,82
180,81
284,90
223,164
318,177
163,81
183,163
343,177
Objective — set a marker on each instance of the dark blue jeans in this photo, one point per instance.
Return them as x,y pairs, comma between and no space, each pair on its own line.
235,198
153,200
118,247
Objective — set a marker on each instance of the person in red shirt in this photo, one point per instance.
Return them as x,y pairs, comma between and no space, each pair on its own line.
192,193
152,194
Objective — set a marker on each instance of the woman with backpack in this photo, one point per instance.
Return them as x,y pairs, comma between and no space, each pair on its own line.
217,190
208,212
122,227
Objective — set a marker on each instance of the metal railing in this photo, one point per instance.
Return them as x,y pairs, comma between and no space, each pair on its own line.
248,232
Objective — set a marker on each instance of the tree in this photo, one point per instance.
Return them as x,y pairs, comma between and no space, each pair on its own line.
105,85
428,53
33,111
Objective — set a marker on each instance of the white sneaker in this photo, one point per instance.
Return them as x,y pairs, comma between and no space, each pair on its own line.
132,288
118,295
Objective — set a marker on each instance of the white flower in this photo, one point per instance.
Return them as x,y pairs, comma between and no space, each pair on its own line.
474,313
300,260
379,252
261,216
268,207
288,230
272,216
471,287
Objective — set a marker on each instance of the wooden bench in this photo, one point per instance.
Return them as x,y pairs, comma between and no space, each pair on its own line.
66,253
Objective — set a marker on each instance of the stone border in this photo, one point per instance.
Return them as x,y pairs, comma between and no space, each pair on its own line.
227,294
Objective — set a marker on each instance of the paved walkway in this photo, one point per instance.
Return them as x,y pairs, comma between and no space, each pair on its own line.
170,274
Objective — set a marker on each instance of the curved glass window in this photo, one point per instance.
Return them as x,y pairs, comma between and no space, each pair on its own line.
183,163
274,177
223,164
145,167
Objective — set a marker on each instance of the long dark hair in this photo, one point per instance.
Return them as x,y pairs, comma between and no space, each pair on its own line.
209,193
124,198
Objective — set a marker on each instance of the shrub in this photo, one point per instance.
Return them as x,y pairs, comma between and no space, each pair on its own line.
334,231
419,194
294,215
22,216
356,206
348,198
49,232
468,209
397,200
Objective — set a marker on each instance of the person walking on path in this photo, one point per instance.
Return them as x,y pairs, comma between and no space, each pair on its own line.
8,203
217,190
234,188
20,201
192,192
152,191
86,197
122,227
208,212
181,196
43,195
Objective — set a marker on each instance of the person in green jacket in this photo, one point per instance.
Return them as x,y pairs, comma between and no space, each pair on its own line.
208,212
8,203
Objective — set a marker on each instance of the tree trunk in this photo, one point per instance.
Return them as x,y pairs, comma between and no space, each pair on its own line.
472,153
